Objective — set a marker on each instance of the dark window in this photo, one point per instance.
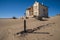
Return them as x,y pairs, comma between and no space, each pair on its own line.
43,10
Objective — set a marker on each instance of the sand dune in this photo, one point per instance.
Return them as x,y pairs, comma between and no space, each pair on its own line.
9,28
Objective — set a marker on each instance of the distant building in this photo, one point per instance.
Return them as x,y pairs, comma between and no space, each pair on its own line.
37,10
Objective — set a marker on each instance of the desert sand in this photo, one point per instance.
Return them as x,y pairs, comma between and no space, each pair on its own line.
9,28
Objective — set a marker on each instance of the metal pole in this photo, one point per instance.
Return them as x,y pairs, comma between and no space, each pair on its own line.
24,25
24,22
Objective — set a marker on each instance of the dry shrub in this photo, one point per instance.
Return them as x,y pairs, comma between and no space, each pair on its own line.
27,17
14,18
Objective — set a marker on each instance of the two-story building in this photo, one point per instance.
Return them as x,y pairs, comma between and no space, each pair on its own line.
37,9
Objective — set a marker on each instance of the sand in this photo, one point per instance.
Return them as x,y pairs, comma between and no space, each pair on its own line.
9,28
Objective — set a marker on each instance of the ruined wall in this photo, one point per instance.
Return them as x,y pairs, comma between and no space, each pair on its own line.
43,11
29,12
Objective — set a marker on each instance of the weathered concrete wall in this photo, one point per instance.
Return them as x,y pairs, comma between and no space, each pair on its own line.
43,11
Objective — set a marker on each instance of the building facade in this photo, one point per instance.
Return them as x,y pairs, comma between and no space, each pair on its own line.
37,10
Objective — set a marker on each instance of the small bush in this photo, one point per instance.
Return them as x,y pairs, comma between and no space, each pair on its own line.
27,17
14,17
34,16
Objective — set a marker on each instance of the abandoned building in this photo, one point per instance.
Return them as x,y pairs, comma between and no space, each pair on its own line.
37,9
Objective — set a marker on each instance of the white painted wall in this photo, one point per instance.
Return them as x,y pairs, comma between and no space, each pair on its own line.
27,13
36,8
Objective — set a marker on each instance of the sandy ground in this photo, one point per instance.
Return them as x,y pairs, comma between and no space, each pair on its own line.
9,28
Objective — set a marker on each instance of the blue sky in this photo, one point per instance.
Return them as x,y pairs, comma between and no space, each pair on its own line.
10,8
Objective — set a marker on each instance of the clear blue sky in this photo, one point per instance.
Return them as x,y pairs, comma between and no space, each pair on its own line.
10,8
